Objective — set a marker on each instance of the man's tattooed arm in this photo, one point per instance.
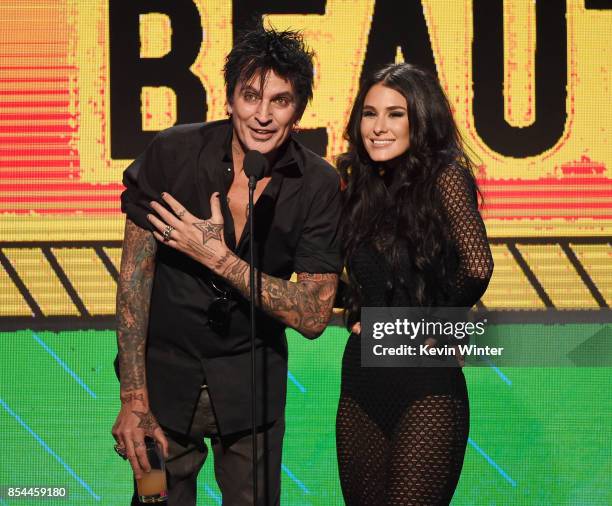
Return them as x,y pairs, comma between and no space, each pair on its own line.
135,419
305,305
133,299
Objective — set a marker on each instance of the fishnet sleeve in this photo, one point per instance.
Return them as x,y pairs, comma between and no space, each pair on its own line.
458,198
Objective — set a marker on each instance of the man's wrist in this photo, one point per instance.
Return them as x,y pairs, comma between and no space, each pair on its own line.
220,266
133,397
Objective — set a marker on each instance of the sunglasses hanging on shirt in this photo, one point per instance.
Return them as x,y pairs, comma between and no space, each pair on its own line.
219,309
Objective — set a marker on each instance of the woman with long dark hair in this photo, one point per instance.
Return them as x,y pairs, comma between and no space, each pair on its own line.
412,236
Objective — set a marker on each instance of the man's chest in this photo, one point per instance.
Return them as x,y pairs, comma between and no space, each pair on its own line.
238,200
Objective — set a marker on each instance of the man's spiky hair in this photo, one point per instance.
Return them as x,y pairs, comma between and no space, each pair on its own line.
263,50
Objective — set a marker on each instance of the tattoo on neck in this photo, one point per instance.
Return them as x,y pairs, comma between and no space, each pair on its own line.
236,148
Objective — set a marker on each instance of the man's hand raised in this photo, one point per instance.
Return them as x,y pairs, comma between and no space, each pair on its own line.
202,240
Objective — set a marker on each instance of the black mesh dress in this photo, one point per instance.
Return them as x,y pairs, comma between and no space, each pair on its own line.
402,432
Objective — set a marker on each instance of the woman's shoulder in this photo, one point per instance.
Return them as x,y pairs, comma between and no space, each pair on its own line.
456,178
454,172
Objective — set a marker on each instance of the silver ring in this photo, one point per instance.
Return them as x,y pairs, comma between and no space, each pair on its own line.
121,451
167,231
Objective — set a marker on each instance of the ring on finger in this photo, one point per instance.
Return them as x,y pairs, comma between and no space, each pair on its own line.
167,231
120,449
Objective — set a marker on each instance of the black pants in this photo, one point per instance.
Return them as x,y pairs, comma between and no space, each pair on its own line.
233,459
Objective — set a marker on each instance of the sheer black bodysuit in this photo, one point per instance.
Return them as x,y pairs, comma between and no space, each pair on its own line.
402,432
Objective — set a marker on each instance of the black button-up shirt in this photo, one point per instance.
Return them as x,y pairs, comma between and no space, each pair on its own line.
296,230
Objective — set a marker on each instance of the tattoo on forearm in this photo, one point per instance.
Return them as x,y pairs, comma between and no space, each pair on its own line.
130,396
223,260
133,299
210,231
317,277
236,271
147,421
305,305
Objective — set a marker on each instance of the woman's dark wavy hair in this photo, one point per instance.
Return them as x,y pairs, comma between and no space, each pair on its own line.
401,212
262,50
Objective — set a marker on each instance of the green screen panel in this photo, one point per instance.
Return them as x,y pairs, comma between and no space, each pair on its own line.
537,436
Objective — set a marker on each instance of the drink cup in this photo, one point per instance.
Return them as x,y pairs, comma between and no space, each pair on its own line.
152,486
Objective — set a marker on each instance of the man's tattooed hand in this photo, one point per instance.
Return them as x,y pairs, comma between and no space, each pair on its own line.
210,231
147,421
201,239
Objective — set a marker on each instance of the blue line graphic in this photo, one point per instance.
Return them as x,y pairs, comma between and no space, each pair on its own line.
63,364
295,479
497,370
49,450
293,379
492,462
504,378
216,497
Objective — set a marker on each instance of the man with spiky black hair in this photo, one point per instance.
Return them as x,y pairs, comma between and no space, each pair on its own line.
182,302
